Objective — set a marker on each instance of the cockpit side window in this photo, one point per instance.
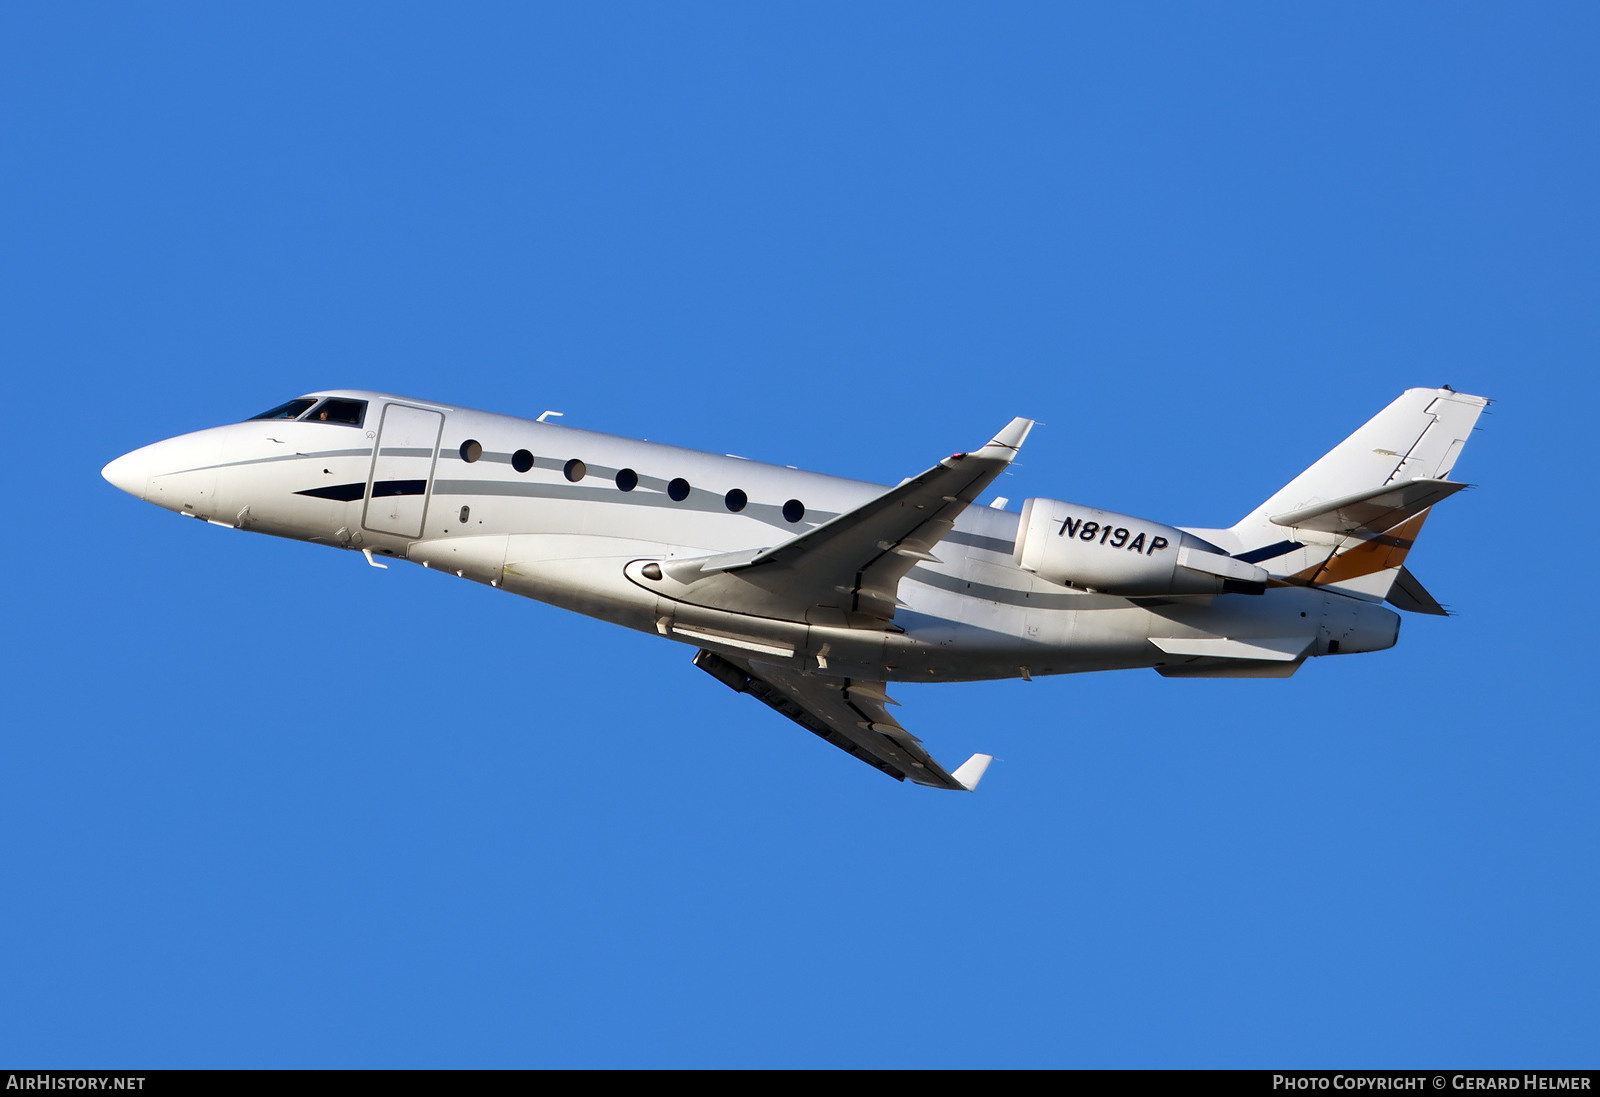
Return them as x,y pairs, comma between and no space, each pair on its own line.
333,410
292,410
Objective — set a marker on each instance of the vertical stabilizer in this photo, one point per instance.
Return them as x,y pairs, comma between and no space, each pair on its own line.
1347,522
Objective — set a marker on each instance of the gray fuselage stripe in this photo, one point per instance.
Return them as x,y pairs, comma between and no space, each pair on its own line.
707,502
978,540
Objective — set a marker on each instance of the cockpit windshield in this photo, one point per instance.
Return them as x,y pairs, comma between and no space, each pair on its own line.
292,410
331,410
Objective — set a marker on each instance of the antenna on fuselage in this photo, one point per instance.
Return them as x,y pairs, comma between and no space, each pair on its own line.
547,415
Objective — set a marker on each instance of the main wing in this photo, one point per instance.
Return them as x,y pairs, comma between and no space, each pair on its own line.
850,713
848,568
846,572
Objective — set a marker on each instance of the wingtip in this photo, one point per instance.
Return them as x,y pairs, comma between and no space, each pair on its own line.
1010,438
970,772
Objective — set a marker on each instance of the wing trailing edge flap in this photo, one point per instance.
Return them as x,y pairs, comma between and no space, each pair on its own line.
849,713
854,562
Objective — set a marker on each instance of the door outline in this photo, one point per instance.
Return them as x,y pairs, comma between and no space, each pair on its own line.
367,516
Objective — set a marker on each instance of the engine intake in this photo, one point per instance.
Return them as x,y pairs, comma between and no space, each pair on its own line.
1112,553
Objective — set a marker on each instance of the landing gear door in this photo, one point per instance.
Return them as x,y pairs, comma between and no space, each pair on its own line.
402,470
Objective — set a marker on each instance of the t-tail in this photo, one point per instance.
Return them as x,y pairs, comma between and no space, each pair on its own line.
1347,522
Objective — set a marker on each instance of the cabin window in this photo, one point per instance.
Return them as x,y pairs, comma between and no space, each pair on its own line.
522,460
794,510
576,470
292,410
347,412
678,490
736,500
627,479
471,450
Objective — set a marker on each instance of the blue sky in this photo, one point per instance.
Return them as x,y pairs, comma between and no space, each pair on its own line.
265,806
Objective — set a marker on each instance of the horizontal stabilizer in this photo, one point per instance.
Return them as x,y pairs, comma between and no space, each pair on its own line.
1370,512
1410,595
1273,648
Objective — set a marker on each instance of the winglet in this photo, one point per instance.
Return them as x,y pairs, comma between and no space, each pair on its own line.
1004,445
970,772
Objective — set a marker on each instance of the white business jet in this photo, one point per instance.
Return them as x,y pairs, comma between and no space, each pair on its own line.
811,592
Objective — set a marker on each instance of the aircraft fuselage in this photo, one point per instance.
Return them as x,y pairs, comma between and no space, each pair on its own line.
573,517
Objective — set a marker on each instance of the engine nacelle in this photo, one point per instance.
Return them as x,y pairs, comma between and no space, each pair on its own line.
1113,553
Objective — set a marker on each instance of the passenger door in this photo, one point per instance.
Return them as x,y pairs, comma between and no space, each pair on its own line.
402,470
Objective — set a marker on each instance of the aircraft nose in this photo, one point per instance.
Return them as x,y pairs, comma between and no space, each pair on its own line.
130,472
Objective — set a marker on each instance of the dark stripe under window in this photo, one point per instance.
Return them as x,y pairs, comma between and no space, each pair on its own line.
346,493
